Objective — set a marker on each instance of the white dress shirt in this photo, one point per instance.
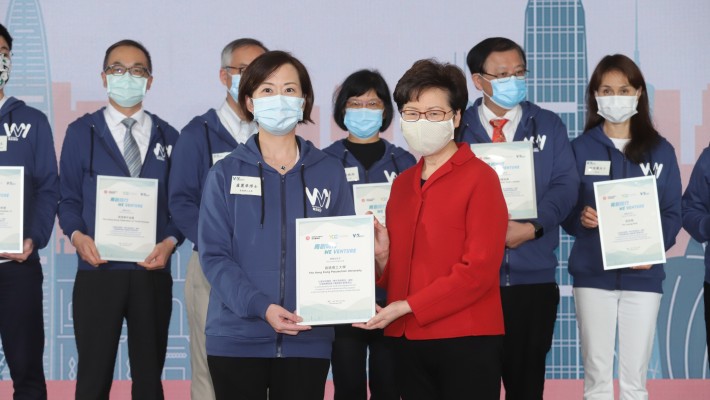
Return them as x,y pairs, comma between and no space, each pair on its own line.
141,129
513,116
240,130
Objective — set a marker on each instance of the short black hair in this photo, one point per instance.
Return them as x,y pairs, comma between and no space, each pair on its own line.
6,35
428,74
479,53
262,68
357,84
131,43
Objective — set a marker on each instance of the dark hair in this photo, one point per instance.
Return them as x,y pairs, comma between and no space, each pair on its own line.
477,56
236,44
6,35
130,43
643,135
261,68
357,84
428,74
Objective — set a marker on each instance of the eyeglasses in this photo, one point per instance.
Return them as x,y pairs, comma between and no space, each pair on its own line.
431,115
373,104
136,70
239,70
505,77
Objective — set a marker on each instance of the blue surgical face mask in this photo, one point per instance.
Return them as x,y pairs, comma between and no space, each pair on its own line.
278,114
234,89
364,123
508,94
126,90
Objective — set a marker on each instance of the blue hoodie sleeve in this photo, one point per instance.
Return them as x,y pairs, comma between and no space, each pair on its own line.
71,176
669,198
217,253
572,224
170,229
186,176
696,200
45,186
563,188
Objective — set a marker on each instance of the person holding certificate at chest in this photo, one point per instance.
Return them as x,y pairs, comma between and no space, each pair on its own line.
203,142
122,232
619,142
247,240
363,107
29,191
527,274
440,253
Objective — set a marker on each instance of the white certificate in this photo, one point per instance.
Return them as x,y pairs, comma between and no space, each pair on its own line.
12,193
629,222
335,270
513,161
126,217
372,197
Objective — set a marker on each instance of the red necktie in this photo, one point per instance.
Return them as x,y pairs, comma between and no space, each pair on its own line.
497,124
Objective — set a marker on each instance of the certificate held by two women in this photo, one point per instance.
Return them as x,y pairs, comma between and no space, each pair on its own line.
335,266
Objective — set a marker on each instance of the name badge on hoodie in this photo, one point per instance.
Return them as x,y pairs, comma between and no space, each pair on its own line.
218,156
247,185
352,174
597,167
3,143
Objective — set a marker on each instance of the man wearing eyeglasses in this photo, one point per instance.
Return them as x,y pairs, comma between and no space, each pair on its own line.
529,292
204,141
26,141
120,140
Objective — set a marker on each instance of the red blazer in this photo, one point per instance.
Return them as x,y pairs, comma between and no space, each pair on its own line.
447,241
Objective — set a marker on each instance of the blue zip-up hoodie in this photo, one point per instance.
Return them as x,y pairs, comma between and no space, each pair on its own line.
696,205
395,160
585,260
199,141
556,183
30,144
89,150
248,248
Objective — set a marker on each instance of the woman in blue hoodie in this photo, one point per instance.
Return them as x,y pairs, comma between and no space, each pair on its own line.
362,106
247,241
619,142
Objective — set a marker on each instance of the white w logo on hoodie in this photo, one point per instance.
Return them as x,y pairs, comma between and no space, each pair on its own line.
646,168
319,199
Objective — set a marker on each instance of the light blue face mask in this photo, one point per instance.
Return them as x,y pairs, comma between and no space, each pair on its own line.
364,123
234,89
126,90
508,94
278,114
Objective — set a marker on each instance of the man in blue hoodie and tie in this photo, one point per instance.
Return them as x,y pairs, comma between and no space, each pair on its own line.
529,292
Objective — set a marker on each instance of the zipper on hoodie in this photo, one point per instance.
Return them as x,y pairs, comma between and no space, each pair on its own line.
282,273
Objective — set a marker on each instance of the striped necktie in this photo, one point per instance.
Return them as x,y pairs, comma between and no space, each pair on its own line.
131,153
497,124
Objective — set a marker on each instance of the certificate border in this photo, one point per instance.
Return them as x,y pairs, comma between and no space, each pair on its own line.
21,236
100,178
370,267
486,147
606,266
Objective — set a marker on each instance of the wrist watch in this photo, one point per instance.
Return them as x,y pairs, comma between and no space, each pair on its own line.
538,229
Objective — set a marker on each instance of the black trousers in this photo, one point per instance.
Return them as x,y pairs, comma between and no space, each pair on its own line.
706,299
22,327
237,378
101,301
350,363
530,312
459,368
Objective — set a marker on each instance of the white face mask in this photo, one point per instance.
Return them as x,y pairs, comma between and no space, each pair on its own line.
617,109
426,137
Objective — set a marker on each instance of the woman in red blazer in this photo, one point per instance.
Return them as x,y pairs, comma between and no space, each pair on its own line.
439,256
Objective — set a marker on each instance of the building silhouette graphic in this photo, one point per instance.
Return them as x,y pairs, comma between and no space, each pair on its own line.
556,50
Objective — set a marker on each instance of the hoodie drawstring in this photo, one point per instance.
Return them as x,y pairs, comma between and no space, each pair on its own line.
394,162
345,155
